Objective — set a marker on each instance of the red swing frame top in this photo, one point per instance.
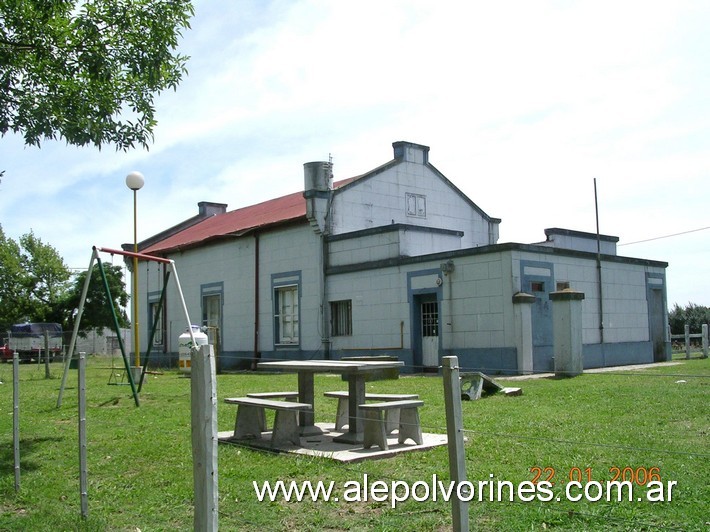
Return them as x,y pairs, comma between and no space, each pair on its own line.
137,255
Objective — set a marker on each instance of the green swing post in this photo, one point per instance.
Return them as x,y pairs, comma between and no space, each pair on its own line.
118,332
152,331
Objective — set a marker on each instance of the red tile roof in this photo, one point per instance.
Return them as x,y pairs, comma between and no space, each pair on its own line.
237,222
289,208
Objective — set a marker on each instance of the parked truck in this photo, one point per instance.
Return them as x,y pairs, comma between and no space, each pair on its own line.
28,340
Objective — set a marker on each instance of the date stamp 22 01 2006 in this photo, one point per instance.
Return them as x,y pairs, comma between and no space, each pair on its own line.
639,475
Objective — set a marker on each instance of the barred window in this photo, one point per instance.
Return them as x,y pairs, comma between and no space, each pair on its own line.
341,318
430,318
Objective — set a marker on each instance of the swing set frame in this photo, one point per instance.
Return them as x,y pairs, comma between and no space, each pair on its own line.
95,258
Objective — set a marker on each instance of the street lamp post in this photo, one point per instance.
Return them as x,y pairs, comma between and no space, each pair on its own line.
135,181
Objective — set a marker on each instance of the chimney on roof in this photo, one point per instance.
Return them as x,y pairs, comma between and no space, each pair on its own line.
208,208
318,176
318,186
410,152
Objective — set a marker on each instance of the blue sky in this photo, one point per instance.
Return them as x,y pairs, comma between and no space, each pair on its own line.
523,104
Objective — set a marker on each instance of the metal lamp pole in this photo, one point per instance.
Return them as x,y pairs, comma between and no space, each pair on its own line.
135,182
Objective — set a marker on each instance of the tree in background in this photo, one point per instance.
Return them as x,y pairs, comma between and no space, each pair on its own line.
694,315
46,279
33,281
14,306
36,286
87,71
97,308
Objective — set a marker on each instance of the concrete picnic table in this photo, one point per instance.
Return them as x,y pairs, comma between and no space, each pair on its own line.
355,371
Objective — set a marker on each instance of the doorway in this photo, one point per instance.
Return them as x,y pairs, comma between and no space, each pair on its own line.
426,331
657,318
212,320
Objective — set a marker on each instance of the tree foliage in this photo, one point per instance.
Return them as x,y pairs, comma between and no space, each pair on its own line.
87,70
13,303
692,314
33,280
36,286
97,309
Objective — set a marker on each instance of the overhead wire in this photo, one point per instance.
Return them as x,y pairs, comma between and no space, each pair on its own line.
664,236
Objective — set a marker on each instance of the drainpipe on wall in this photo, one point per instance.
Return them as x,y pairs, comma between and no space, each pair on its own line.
599,271
447,268
257,354
325,333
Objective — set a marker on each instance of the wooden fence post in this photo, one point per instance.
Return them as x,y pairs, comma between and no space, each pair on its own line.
83,474
203,395
16,416
705,340
46,355
454,432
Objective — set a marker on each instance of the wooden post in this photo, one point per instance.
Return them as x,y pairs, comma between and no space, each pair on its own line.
687,341
705,340
454,432
16,416
83,475
203,394
46,355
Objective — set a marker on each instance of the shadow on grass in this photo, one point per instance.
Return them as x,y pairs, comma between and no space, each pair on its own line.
28,446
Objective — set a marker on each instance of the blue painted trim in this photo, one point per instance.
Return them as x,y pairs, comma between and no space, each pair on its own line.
415,326
279,280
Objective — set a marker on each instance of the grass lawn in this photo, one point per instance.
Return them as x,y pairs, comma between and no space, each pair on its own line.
653,421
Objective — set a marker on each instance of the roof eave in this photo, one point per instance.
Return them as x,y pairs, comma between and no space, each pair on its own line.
228,236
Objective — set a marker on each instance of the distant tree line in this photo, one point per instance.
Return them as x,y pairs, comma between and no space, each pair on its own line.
37,286
692,314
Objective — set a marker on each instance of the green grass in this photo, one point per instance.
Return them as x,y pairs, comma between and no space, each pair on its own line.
140,467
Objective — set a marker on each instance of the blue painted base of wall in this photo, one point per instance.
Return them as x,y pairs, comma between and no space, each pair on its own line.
619,354
491,361
543,359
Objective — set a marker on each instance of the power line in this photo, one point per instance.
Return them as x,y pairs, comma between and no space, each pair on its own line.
664,236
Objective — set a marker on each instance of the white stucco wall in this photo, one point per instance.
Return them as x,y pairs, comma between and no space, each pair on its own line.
381,199
379,306
481,311
475,311
231,262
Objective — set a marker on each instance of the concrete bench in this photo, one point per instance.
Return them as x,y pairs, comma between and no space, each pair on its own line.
474,383
375,423
343,412
250,412
289,396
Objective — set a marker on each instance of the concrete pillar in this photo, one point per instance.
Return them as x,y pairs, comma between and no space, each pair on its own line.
567,332
522,308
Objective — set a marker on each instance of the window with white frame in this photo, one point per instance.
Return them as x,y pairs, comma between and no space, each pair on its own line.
154,310
286,317
341,318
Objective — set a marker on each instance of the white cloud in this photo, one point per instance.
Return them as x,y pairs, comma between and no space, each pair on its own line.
522,104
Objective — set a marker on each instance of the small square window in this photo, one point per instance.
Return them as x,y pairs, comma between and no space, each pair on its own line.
537,286
341,318
416,205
